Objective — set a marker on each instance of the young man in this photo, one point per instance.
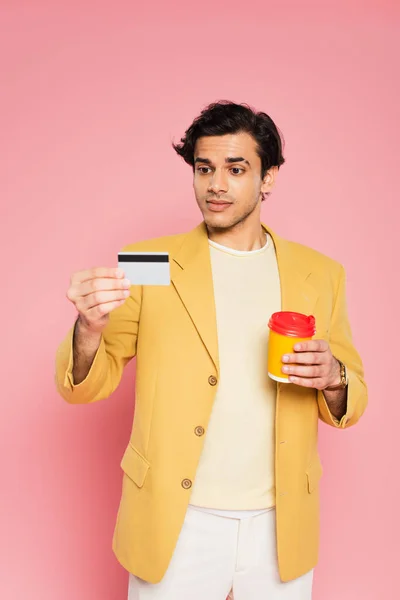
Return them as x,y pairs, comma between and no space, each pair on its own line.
221,474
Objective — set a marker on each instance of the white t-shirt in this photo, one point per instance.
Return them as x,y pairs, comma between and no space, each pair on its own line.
236,471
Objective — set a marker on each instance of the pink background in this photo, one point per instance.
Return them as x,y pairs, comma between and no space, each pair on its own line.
92,96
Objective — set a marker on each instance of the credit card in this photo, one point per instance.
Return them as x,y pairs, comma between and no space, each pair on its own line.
145,268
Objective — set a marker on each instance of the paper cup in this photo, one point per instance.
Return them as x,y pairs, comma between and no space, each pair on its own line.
286,330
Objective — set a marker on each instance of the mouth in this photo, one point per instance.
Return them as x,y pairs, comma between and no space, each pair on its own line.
218,205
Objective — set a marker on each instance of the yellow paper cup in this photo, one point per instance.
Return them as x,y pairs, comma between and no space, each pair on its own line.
286,330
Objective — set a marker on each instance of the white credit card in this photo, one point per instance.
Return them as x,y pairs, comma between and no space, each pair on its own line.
145,268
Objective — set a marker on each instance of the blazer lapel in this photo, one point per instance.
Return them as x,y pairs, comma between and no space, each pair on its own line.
297,293
191,275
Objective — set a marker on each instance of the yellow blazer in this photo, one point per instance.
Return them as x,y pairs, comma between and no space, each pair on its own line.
172,332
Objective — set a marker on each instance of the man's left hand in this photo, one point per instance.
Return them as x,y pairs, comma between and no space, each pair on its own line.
312,365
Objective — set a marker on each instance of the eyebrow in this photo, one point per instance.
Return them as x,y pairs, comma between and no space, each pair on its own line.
228,159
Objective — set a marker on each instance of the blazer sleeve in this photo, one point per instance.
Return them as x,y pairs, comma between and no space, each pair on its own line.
341,344
117,347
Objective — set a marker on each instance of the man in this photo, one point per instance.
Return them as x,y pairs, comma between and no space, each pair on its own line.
221,474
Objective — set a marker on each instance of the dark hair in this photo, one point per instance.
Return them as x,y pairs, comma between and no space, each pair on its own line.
224,117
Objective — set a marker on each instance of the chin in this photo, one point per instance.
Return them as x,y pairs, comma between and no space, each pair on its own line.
218,221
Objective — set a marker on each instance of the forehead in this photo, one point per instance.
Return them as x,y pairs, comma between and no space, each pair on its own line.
233,144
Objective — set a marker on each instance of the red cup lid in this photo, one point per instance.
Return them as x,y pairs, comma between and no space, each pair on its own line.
293,324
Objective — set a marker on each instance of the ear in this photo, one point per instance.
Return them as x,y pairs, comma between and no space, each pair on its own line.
269,179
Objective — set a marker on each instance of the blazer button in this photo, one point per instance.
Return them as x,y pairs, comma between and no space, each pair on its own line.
212,380
199,430
186,484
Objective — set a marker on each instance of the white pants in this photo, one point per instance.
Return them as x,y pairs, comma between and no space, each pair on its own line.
216,556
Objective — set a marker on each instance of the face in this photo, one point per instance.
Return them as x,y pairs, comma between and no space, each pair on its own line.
227,180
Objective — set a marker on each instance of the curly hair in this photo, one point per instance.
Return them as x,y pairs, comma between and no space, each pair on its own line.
224,117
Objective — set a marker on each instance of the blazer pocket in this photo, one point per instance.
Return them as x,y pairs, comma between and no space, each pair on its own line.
314,473
135,465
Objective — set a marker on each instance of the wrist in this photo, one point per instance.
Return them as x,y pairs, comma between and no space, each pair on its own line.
341,380
82,330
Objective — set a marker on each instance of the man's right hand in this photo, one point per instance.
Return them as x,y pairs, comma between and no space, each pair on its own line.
95,293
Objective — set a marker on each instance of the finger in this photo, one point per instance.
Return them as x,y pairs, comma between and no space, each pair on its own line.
306,358
311,382
101,310
96,273
102,285
86,303
311,346
311,371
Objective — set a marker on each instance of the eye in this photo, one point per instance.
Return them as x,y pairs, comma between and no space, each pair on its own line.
237,169
201,170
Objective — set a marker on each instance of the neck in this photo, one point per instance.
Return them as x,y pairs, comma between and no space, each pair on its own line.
239,238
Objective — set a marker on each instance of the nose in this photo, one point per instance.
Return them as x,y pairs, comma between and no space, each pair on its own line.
218,183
